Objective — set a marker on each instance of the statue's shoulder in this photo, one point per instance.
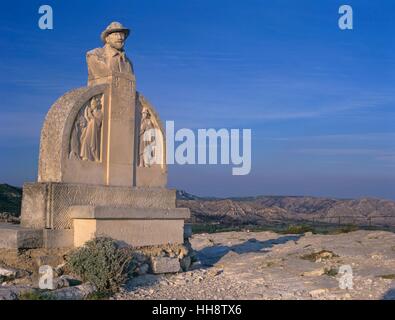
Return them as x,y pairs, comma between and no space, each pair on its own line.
96,53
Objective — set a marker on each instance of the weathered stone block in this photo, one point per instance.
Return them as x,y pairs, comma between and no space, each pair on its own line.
16,237
135,233
165,265
58,238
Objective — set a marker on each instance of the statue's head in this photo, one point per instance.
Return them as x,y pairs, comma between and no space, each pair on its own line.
145,113
115,35
95,104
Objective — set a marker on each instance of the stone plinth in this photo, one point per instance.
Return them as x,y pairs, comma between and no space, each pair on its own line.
133,226
46,205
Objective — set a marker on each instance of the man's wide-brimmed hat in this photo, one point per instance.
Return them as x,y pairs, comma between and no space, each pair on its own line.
114,27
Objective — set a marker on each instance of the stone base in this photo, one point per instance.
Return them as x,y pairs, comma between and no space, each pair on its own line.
135,233
15,237
58,238
67,215
133,226
46,205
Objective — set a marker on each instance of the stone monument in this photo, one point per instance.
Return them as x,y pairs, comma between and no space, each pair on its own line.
95,177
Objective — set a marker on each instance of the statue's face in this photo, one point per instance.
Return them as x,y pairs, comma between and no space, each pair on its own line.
116,40
95,104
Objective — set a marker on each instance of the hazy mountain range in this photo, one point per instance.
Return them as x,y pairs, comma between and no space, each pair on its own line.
259,209
266,209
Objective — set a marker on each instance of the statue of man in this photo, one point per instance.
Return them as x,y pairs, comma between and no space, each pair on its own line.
103,62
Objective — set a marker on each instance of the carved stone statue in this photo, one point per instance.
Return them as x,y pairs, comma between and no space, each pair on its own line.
102,62
75,144
146,150
102,167
91,134
86,135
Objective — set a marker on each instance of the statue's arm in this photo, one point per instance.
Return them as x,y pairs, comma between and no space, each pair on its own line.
87,114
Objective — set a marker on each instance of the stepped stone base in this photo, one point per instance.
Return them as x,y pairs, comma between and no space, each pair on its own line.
64,215
133,226
46,205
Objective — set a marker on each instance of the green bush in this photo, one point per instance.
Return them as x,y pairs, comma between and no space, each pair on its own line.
35,295
297,229
102,263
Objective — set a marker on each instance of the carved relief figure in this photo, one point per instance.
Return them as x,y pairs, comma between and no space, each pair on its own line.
102,62
75,144
146,145
86,135
91,134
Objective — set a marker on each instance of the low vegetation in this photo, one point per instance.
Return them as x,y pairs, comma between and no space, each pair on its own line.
388,276
101,262
319,256
36,295
297,229
283,228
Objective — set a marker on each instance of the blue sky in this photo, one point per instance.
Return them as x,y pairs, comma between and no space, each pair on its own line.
320,101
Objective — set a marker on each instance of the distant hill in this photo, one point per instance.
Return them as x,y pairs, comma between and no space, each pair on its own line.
10,199
269,209
258,210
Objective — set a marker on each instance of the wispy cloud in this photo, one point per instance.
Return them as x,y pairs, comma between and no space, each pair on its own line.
369,136
376,154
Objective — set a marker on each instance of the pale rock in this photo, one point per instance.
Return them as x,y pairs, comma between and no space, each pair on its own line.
317,293
8,272
74,293
165,265
314,273
7,294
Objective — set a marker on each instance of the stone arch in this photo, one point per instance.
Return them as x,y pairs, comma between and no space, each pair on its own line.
54,162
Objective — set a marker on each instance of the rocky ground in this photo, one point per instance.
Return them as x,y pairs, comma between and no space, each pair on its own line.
266,265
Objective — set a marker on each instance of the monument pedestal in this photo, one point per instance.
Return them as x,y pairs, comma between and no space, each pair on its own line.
70,214
133,226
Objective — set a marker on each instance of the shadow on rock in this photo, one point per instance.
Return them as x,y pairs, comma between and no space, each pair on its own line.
389,295
211,255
